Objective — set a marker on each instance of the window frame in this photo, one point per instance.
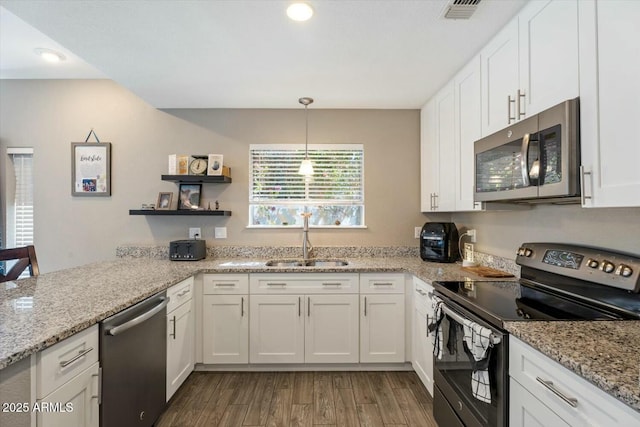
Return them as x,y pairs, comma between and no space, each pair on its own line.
300,148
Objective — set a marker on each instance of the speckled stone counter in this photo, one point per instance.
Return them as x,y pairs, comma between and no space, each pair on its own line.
36,313
605,353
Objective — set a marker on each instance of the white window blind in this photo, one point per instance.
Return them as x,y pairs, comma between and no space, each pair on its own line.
334,194
23,199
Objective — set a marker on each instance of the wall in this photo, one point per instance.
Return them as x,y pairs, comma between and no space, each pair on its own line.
70,231
501,233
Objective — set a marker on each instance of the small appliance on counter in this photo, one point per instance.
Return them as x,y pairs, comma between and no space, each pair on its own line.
439,242
187,250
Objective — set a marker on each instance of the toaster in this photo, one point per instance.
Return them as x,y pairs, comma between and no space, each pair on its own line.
187,250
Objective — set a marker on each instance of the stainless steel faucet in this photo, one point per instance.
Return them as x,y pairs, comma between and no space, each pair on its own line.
306,244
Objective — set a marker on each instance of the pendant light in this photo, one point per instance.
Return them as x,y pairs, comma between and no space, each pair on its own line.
306,168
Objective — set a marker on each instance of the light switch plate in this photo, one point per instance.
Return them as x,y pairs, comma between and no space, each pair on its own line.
220,233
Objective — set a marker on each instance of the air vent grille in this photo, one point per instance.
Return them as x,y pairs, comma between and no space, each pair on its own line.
460,9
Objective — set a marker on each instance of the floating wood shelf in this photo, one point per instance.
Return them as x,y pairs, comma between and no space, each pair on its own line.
182,212
209,179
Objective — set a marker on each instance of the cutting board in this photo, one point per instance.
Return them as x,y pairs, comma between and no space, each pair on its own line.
487,272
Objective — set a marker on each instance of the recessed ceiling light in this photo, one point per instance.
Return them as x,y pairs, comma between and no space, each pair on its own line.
49,55
299,11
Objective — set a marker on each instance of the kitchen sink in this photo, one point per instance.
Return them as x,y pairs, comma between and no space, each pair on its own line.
308,263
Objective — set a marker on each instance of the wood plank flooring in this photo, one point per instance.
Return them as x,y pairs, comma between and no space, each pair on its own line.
304,399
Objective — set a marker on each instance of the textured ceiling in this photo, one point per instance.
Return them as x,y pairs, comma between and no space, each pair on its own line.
248,54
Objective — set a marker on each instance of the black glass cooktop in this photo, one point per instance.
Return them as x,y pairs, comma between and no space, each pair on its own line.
500,301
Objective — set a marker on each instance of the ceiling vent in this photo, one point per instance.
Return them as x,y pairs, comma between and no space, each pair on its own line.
460,9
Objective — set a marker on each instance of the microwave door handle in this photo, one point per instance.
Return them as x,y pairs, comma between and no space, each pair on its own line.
524,160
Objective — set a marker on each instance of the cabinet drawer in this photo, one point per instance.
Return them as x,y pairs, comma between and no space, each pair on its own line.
225,284
59,363
304,283
179,293
383,283
593,406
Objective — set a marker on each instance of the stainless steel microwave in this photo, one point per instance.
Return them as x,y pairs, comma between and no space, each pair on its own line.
535,160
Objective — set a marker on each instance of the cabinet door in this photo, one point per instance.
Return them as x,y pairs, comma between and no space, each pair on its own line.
331,329
525,410
276,329
428,156
548,54
77,402
180,346
609,106
225,329
467,131
500,79
382,328
445,134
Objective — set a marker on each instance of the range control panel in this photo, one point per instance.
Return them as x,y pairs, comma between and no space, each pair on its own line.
596,265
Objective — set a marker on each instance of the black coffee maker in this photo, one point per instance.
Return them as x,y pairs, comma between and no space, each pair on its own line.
439,242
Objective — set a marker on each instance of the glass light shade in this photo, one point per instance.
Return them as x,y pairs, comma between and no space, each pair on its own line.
306,168
299,12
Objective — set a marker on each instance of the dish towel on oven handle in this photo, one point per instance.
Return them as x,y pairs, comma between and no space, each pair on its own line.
438,315
477,341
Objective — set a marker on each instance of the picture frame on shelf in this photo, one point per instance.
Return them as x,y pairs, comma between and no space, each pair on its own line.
215,165
91,169
164,201
189,196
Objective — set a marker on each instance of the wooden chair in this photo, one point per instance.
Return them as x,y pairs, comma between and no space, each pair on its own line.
26,257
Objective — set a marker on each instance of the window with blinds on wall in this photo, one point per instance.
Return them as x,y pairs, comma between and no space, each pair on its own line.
334,195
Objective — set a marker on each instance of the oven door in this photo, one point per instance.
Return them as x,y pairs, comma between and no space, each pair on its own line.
454,379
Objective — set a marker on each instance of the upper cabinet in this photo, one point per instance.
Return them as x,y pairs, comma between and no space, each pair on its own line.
531,65
609,102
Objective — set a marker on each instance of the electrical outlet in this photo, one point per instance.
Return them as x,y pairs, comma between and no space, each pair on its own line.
472,235
195,233
468,251
416,232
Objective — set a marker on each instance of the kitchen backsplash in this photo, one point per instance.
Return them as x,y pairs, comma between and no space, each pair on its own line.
162,252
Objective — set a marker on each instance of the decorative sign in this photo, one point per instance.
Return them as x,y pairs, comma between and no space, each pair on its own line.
91,169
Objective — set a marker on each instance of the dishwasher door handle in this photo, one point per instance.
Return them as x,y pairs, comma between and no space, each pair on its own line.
137,320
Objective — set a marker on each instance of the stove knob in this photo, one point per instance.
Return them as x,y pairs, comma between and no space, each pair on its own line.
592,263
607,266
520,251
527,252
624,270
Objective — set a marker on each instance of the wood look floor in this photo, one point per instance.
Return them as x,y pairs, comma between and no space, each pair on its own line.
300,399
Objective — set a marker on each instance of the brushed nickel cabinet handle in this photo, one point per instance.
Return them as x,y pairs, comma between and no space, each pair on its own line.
583,174
308,306
509,101
241,306
365,306
299,309
571,401
174,327
65,363
520,113
99,395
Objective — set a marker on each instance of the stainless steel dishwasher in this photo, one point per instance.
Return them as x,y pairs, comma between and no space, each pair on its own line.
133,356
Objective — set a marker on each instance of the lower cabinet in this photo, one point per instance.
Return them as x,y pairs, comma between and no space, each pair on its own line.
304,329
382,328
422,357
180,335
75,404
225,321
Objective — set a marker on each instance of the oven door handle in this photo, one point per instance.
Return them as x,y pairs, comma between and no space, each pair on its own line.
141,318
493,338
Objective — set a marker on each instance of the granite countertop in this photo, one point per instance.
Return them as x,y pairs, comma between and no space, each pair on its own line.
37,312
603,352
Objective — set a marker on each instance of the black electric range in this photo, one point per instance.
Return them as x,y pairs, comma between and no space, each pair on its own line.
558,282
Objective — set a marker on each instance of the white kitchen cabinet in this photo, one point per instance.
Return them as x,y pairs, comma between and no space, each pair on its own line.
609,106
543,392
382,318
531,64
75,404
422,357
429,179
276,329
180,335
67,375
331,329
439,153
467,130
225,319
304,318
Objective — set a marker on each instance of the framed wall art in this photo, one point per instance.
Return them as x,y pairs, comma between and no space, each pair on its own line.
91,169
189,197
164,201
